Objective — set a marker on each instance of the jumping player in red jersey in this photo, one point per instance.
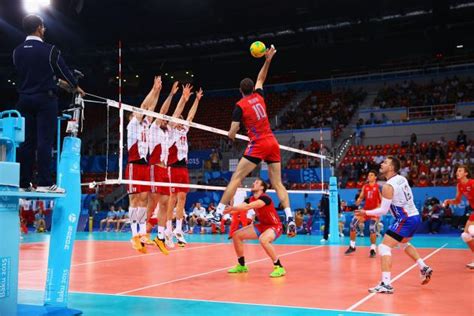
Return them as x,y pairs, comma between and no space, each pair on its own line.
178,171
371,194
465,187
137,166
251,111
267,230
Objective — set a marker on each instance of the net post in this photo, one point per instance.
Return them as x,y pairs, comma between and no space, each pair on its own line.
120,166
333,211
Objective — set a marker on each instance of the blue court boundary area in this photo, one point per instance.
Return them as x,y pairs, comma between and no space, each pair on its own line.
105,305
454,241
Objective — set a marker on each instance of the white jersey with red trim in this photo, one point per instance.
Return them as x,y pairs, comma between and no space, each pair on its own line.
403,205
158,144
178,144
137,139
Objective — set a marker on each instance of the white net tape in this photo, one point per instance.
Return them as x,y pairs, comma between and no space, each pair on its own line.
129,108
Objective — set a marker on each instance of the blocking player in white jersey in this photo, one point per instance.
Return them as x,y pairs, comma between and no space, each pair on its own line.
178,169
397,197
159,140
137,166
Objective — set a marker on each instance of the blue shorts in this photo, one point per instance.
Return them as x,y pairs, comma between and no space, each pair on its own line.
404,228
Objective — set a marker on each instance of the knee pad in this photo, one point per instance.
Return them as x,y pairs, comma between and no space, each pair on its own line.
354,223
385,250
372,227
466,237
405,246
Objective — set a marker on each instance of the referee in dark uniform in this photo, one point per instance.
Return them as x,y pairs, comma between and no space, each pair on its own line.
39,66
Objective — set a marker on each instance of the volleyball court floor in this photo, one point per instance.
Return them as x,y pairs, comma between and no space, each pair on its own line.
110,278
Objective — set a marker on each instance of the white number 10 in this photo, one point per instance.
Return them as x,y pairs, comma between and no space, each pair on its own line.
259,111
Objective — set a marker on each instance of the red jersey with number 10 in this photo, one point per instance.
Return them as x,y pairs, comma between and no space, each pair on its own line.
254,116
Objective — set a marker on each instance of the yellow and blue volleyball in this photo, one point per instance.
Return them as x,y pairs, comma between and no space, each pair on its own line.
257,49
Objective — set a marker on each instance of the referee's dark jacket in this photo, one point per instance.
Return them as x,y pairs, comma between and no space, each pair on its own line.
39,66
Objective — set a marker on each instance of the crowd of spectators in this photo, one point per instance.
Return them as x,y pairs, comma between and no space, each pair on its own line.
320,110
410,94
423,163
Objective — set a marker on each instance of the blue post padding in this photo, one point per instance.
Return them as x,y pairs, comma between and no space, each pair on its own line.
333,211
9,251
64,225
9,174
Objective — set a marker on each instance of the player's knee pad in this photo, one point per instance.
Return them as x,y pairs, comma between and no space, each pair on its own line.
354,223
405,245
385,250
372,227
466,237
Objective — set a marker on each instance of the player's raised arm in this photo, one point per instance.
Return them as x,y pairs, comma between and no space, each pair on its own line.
192,111
149,103
262,75
183,100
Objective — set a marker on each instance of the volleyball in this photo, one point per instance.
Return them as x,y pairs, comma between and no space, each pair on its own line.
257,49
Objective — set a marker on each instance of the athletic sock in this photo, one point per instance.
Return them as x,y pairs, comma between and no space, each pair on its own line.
179,225
277,263
373,247
161,232
241,261
134,228
169,226
220,208
421,264
386,278
353,243
288,213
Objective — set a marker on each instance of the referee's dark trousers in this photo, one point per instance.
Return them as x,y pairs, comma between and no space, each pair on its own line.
40,112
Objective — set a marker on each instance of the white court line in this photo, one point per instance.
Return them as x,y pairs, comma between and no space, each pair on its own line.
125,258
394,279
217,302
210,272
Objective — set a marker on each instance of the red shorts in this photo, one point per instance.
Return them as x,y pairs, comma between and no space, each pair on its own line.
471,217
139,172
266,149
153,221
179,175
159,174
261,228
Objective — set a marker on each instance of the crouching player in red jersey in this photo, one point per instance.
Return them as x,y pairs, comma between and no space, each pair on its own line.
267,230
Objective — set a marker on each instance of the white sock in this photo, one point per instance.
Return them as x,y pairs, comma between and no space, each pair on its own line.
161,232
386,276
373,247
169,226
421,263
220,208
179,225
133,220
353,243
134,228
288,212
141,211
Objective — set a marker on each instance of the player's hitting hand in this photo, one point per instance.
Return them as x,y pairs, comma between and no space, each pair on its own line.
175,87
228,210
270,53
